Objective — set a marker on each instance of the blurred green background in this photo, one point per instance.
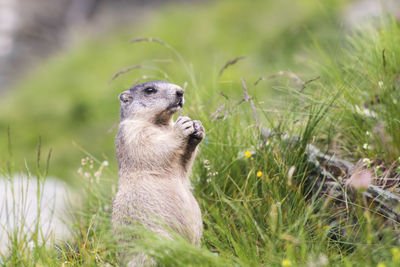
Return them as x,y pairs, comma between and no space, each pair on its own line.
67,98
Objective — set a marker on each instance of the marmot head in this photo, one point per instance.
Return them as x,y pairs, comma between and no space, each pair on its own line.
155,100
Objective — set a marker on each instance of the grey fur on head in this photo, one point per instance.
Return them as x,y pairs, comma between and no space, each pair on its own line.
159,97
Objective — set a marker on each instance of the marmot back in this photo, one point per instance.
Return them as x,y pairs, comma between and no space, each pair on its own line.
155,156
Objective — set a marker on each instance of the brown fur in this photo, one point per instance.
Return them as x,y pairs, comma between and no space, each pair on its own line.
155,156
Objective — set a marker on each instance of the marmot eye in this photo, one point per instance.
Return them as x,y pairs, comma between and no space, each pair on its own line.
150,90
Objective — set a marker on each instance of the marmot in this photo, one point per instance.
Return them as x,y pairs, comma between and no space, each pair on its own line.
155,156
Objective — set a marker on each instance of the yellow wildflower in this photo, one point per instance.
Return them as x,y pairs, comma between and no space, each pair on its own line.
395,254
259,173
381,264
247,154
286,263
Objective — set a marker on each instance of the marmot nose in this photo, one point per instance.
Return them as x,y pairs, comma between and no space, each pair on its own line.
180,93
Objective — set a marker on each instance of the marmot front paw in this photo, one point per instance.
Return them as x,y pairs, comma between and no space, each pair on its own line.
188,128
198,131
184,126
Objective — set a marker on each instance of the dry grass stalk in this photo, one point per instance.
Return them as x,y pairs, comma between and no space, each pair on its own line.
213,116
247,98
229,63
147,39
224,95
282,73
113,127
124,71
308,82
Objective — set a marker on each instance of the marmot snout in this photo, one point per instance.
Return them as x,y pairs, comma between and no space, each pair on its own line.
155,156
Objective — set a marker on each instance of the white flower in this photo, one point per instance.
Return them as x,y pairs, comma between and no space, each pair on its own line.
365,112
366,161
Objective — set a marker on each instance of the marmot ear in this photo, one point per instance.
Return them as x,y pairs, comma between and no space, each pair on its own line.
125,97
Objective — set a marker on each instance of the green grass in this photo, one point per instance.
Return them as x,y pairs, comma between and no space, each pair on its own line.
254,207
69,99
368,109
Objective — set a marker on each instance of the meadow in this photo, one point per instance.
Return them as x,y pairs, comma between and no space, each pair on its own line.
267,80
